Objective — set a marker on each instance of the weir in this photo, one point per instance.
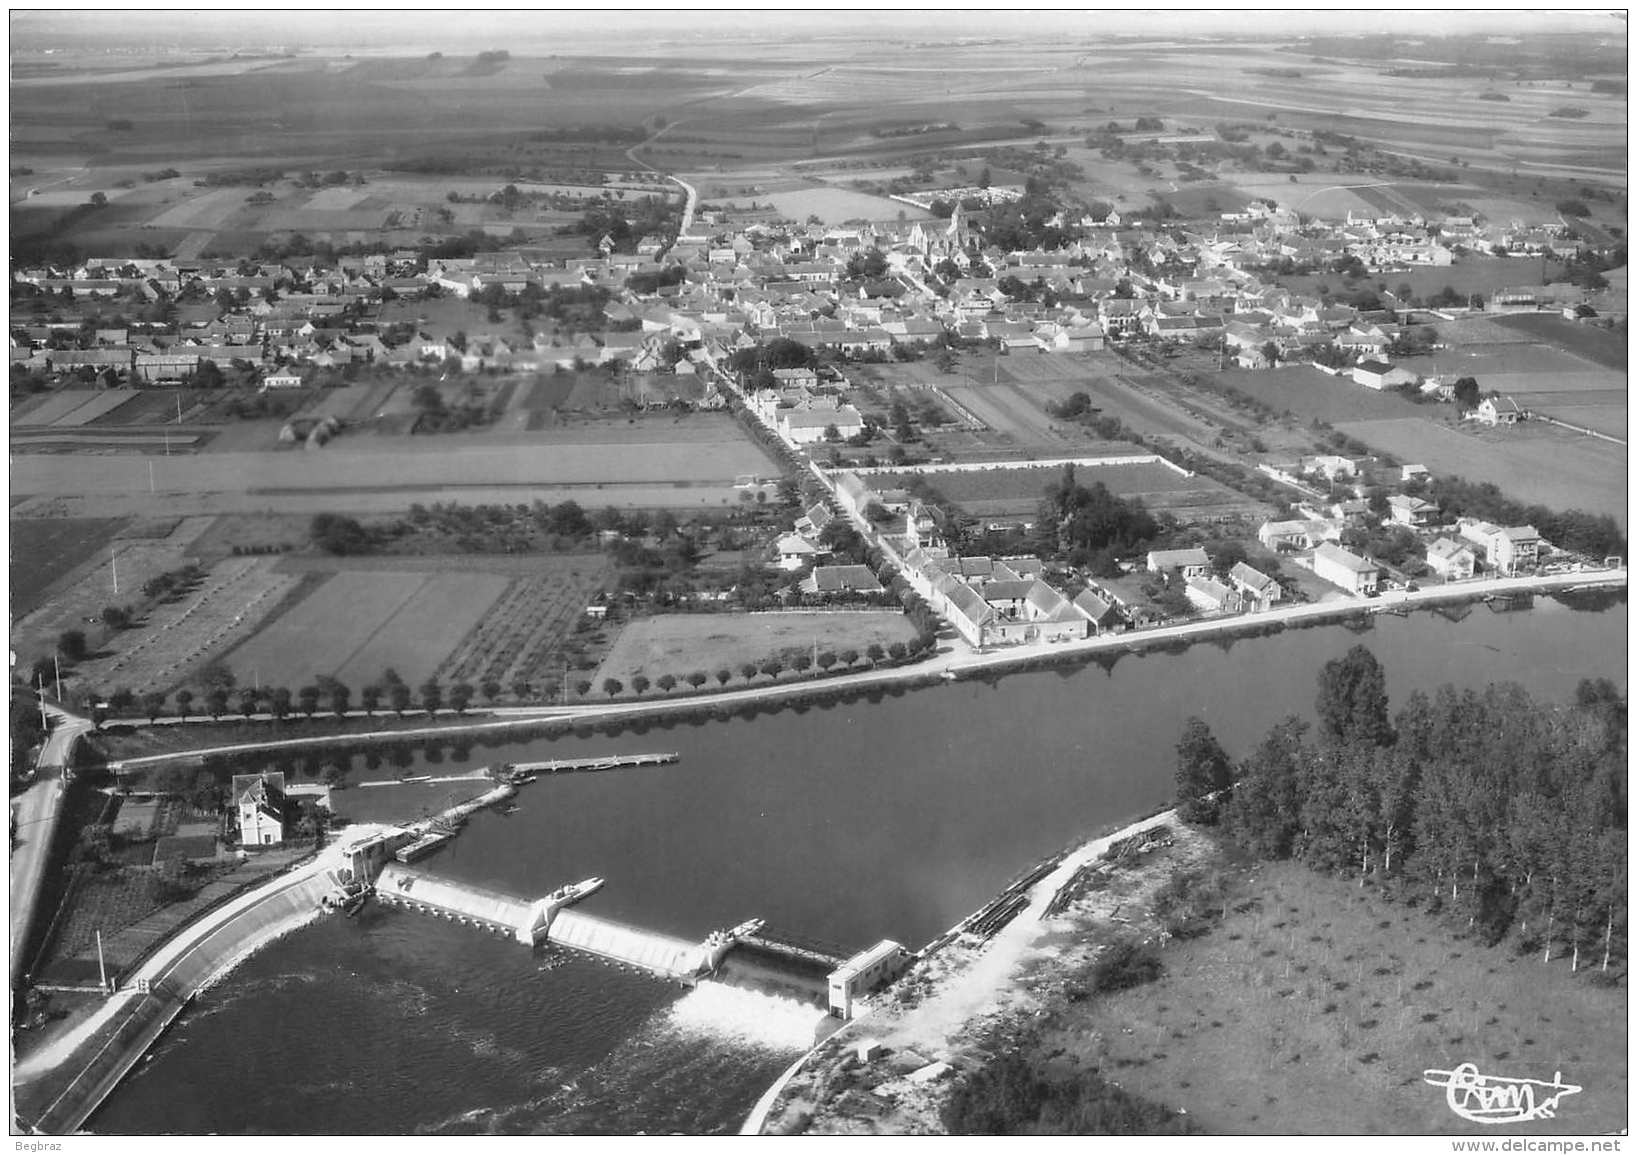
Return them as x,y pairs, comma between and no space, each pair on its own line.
548,921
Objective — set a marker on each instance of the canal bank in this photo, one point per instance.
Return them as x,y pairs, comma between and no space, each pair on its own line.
948,663
60,1085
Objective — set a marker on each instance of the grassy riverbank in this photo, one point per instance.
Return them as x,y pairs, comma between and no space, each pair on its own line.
1183,989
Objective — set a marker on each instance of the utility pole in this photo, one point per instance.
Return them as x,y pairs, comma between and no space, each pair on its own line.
58,666
102,969
150,476
45,723
113,560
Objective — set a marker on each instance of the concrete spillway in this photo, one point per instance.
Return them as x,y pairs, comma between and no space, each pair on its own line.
460,901
659,953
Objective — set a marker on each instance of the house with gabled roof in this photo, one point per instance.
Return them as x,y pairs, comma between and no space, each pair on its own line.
1190,563
1410,511
1098,611
259,807
842,579
795,551
1451,560
1209,596
1346,569
1257,591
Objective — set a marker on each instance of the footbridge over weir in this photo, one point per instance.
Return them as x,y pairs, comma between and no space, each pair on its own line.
548,921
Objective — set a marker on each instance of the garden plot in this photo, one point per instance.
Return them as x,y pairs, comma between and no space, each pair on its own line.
58,406
521,636
235,598
358,624
99,404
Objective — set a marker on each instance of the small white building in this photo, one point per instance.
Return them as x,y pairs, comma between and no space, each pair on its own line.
865,972
1451,560
1380,375
796,551
1210,596
258,800
1190,563
1257,591
281,381
1343,568
1410,511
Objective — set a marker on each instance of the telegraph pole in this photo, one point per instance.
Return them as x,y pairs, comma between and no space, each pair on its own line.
113,560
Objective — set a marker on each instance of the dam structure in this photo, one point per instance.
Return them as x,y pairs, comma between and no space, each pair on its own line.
549,922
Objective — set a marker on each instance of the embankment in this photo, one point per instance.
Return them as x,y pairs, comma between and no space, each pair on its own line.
59,1099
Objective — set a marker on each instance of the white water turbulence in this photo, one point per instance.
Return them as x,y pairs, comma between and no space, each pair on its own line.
747,1016
696,1067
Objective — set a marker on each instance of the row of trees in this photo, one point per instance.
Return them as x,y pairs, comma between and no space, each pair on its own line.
1505,815
798,663
392,693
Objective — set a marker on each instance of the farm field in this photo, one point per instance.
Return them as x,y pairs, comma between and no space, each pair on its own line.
1312,983
1002,493
1469,275
411,464
835,205
357,624
1315,396
1531,463
71,602
1607,348
680,643
43,550
523,634
176,638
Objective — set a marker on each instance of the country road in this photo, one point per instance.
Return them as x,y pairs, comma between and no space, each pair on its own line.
36,812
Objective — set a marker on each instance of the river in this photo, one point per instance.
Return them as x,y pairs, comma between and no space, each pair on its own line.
890,817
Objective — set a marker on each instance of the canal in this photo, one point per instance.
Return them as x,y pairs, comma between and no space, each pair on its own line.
888,817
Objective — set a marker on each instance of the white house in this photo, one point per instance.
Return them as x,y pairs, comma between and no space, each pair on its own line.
1451,560
259,802
806,426
1411,511
1491,411
1256,589
1191,563
1209,596
1340,567
1380,375
796,551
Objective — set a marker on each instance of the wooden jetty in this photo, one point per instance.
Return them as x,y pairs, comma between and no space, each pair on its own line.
521,770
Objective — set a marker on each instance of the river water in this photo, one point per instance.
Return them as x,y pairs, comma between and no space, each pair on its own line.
891,817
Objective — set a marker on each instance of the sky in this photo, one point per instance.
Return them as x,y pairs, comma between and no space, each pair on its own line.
604,31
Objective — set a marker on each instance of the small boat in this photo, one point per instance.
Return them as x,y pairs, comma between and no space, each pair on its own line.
575,891
511,810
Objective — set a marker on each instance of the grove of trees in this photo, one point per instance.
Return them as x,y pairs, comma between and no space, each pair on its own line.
1504,815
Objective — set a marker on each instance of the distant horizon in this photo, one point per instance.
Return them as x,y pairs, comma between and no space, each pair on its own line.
577,29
